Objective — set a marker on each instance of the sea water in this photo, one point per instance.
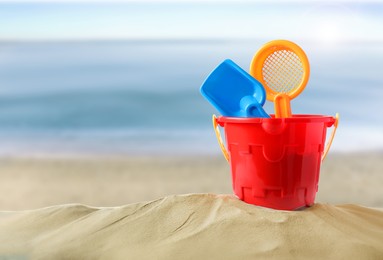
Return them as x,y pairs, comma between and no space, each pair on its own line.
142,97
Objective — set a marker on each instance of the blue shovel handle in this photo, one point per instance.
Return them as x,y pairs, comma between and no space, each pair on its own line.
252,107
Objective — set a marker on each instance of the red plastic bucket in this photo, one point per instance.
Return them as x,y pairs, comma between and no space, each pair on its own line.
275,162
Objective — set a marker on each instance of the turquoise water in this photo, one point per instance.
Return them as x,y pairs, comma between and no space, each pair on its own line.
142,97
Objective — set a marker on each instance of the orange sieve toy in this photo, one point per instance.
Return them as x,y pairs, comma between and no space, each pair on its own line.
283,69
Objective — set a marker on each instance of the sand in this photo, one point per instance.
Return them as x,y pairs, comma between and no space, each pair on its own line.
195,226
109,208
30,183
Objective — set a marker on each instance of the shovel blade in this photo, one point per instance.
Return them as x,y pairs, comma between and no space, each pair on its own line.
234,92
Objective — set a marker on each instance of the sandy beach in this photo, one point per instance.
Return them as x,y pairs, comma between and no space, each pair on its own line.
181,208
29,183
196,226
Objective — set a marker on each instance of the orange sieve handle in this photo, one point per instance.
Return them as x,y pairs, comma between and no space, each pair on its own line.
282,106
328,145
219,138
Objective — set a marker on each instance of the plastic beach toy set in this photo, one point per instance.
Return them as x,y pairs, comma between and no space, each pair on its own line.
275,159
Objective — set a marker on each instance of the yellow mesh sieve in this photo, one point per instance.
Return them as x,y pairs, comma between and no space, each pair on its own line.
283,71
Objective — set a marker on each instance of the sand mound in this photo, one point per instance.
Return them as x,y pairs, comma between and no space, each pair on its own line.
196,226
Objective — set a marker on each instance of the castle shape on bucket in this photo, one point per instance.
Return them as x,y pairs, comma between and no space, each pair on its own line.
275,160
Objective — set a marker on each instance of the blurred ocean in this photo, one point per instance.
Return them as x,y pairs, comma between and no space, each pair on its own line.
142,97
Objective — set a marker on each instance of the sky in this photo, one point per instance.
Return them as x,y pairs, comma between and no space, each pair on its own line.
327,22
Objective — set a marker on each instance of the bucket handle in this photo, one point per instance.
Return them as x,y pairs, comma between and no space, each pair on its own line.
219,138
328,145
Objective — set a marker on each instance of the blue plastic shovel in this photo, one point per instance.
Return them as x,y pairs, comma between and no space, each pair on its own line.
234,92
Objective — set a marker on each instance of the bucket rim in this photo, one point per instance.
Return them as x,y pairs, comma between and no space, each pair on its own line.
295,118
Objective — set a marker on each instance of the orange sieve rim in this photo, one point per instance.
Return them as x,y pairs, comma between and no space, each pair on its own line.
262,54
